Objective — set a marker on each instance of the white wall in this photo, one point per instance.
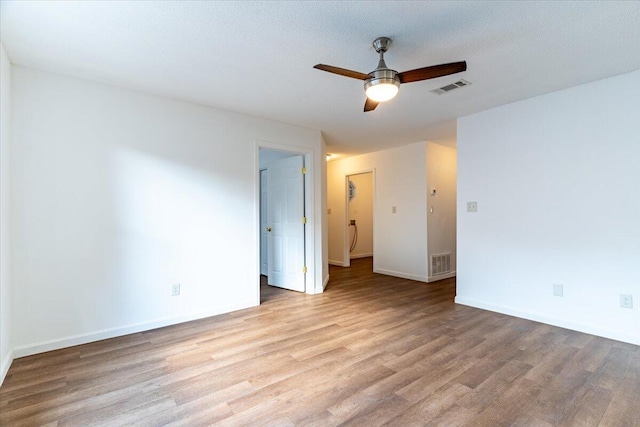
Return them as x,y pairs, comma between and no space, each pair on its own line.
5,286
400,243
557,181
361,210
441,207
118,194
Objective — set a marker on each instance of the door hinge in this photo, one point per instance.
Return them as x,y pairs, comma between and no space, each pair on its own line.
304,269
304,219
304,170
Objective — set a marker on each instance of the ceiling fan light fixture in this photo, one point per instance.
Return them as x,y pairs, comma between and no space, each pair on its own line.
381,90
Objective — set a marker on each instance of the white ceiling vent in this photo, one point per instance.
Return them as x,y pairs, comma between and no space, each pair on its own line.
448,88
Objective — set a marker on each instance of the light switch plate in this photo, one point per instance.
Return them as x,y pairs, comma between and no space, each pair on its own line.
558,290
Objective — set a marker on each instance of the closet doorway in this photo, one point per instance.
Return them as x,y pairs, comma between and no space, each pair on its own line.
360,218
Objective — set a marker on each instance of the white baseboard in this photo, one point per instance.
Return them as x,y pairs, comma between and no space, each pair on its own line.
325,282
441,277
337,263
606,333
356,256
6,364
56,344
400,274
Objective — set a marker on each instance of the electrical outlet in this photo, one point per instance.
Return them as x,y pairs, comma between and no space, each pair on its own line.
175,289
352,222
393,209
472,206
626,301
558,290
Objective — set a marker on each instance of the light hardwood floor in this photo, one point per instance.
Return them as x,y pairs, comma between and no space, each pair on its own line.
372,350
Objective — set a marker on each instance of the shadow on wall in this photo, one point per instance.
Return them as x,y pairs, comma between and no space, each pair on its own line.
173,224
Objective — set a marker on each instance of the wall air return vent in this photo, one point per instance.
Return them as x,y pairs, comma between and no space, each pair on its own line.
448,88
440,264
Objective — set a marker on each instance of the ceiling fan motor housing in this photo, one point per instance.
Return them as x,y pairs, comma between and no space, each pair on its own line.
382,76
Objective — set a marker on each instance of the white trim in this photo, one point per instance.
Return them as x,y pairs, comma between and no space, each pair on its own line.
325,282
264,272
441,277
6,364
310,228
336,263
73,340
346,260
367,255
401,275
606,333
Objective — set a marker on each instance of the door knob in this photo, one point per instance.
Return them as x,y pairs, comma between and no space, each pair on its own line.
269,229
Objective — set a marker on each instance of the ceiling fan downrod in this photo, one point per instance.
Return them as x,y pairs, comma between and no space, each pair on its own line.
381,44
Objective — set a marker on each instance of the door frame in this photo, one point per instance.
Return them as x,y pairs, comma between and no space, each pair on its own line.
262,207
309,209
347,241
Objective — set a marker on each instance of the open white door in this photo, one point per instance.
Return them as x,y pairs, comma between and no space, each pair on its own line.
285,223
264,260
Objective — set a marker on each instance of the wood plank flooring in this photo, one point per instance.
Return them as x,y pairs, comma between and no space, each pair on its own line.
372,350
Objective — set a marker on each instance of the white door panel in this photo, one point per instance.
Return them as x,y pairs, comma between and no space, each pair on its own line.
285,212
264,263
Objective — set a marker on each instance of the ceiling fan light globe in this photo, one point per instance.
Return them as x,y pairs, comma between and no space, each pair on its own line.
382,92
382,89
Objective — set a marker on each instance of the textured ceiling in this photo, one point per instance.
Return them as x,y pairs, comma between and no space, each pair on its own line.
256,58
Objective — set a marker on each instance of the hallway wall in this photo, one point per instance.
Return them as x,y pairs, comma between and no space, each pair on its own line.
400,237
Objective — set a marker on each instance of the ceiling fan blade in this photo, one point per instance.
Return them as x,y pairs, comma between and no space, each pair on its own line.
342,71
370,105
432,72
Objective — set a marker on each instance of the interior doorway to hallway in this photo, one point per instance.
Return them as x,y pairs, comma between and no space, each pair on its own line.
360,196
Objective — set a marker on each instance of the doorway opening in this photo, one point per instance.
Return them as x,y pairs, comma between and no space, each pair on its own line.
360,217
284,240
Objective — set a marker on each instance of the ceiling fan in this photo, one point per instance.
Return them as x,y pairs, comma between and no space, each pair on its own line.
382,84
